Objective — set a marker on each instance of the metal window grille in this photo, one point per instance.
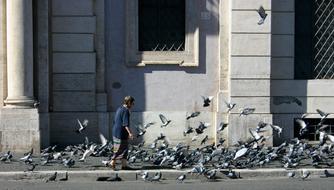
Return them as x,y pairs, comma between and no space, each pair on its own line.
314,39
312,123
161,25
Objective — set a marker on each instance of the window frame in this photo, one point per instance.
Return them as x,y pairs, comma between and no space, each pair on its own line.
188,58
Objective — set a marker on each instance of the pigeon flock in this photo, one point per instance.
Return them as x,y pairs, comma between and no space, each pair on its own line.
206,160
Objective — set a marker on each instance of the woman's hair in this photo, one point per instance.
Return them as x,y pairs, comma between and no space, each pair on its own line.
128,99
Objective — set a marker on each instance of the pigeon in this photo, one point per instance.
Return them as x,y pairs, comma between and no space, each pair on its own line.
31,167
164,120
200,129
82,126
88,152
231,174
207,100
36,104
145,176
188,131
230,106
240,153
211,174
194,114
255,135
68,162
6,157
322,136
149,125
323,115
247,111
330,138
263,15
65,178
327,174
303,126
52,178
141,132
104,141
206,138
291,174
31,151
305,174
27,158
156,177
181,178
277,129
222,126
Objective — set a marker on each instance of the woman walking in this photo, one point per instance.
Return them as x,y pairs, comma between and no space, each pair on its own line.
121,132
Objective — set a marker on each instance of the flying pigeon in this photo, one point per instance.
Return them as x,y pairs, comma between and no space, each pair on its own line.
82,126
303,126
164,120
247,111
88,152
194,114
188,131
206,138
207,100
323,115
149,125
230,106
222,126
263,15
240,153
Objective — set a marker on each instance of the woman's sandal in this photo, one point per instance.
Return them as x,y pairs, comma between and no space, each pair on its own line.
112,165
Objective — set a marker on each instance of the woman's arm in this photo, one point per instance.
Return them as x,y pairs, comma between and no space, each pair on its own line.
129,132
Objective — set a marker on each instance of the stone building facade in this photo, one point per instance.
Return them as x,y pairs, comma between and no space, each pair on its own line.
79,58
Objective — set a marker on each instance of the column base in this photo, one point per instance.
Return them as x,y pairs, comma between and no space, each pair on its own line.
19,130
20,102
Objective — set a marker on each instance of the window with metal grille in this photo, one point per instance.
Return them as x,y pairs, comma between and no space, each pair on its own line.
314,39
312,128
161,25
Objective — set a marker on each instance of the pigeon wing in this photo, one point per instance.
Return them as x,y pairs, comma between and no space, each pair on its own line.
104,141
301,123
262,12
240,153
163,119
322,114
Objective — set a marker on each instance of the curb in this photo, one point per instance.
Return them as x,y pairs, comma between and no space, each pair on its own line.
92,175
